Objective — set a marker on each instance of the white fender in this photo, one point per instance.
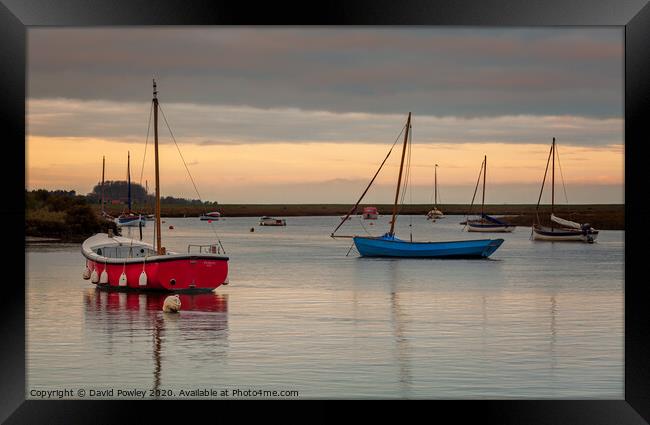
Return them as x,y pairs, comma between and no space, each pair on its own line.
172,304
143,279
86,274
122,281
103,278
94,276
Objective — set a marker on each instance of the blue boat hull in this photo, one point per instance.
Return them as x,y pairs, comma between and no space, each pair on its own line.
387,246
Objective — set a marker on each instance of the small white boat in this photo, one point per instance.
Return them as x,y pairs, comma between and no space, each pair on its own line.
270,221
210,216
435,214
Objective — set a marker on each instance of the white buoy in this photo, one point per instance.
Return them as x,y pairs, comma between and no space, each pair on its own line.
172,304
143,279
94,276
86,274
103,278
122,281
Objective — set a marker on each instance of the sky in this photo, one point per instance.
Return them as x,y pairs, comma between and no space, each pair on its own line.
307,114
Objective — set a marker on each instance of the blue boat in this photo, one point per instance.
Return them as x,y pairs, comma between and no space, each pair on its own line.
390,246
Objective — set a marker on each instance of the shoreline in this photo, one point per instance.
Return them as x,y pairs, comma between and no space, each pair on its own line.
600,216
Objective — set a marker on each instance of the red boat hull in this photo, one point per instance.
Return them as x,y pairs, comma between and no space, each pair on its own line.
186,274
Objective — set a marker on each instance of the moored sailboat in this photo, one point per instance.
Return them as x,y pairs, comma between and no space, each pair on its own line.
129,218
566,230
435,212
486,223
388,245
124,263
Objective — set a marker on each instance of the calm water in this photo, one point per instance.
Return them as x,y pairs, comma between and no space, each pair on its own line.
536,320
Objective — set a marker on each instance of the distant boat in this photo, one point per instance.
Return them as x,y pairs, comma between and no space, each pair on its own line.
435,212
130,218
215,215
486,223
388,245
124,263
370,213
270,221
566,230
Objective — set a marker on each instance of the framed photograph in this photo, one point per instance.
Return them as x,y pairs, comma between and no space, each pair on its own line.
420,201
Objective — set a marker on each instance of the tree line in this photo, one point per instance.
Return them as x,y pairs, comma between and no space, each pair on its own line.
119,189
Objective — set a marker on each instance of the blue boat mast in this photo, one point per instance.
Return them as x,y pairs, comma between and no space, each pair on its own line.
391,232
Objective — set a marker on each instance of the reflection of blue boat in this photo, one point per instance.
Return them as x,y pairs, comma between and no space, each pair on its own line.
390,246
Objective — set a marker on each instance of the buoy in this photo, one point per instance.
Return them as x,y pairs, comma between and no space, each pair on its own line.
122,279
172,304
103,278
143,279
86,274
94,276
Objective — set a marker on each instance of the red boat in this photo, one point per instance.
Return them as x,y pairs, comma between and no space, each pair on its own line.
119,262
370,213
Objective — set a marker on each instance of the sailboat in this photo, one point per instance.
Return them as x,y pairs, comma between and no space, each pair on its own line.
388,245
104,215
566,230
486,223
435,212
124,263
129,218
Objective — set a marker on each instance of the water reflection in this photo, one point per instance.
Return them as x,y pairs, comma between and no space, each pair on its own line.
398,320
114,316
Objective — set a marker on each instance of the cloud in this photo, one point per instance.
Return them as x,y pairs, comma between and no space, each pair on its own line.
231,125
436,71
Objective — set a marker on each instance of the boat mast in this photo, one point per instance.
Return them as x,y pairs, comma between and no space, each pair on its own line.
553,181
484,171
128,176
435,187
103,169
399,179
155,132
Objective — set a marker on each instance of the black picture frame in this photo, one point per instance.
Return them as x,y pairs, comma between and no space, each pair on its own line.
16,16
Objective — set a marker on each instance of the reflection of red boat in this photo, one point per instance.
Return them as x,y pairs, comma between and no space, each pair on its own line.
370,213
137,301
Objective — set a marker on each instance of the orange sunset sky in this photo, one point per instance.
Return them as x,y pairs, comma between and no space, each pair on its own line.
306,115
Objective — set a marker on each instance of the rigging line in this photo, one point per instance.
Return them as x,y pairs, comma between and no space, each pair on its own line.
189,174
566,198
146,142
369,184
543,182
364,227
480,173
407,176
